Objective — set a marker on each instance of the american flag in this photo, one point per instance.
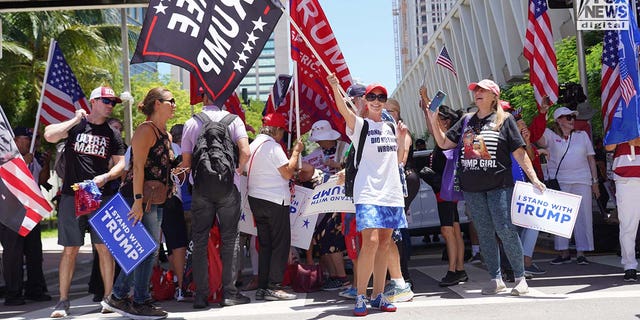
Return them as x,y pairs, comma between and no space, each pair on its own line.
626,82
445,61
62,94
538,49
609,78
23,205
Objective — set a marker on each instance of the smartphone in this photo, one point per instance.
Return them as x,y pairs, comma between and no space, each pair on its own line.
437,101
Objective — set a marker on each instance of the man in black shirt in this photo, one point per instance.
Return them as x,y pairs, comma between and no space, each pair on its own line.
90,144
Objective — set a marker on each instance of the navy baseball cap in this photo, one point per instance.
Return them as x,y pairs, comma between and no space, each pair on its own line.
22,132
356,90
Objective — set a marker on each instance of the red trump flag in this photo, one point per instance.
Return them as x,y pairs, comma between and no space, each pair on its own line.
312,84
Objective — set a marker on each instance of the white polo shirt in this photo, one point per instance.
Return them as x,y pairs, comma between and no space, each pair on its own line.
265,181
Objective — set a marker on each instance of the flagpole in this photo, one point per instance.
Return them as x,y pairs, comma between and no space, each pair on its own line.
315,53
296,98
291,100
44,83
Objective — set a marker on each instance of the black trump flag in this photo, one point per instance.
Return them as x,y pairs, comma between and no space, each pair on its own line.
218,41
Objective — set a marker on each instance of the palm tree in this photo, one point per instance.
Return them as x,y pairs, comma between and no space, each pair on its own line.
91,46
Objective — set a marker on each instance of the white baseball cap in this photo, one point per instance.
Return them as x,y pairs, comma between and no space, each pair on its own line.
104,92
563,111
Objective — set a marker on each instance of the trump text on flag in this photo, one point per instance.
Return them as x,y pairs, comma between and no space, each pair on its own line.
218,41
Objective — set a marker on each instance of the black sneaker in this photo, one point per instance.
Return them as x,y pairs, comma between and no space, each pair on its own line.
582,260
450,279
462,275
235,300
561,260
475,259
14,301
119,306
630,275
146,311
260,293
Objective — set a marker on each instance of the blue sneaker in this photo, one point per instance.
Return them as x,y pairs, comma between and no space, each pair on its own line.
361,306
349,293
381,302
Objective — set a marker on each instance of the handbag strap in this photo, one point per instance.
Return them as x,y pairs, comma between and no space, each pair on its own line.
251,162
565,153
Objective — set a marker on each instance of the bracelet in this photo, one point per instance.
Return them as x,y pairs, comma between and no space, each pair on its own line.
594,180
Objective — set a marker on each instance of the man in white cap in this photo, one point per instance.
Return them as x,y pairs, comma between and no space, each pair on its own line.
90,144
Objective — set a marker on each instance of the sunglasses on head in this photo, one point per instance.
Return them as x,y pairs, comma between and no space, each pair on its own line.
108,101
171,101
569,117
372,97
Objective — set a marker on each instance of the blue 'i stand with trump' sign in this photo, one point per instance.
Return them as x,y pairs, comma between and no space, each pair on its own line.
128,244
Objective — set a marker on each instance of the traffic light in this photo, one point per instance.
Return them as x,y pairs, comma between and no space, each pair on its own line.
560,4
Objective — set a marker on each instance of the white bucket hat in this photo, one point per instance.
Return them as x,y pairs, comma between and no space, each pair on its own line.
322,130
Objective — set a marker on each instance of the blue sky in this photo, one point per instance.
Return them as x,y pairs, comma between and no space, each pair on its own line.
364,29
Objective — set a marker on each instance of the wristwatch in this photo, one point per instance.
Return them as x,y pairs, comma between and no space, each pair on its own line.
138,196
594,180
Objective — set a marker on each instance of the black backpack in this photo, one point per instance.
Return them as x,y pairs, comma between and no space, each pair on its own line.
214,157
353,161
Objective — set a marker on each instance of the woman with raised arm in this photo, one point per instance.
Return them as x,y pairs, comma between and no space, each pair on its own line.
377,190
490,137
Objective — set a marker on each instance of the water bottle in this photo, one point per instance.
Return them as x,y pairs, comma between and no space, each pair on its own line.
403,180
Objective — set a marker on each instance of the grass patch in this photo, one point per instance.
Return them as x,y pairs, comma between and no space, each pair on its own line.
49,233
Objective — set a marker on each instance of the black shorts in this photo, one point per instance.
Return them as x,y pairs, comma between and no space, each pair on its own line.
173,225
448,213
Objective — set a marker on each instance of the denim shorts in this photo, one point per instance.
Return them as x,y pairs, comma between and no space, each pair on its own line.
371,216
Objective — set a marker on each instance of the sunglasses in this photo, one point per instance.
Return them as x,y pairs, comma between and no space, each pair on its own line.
108,101
569,117
171,101
372,97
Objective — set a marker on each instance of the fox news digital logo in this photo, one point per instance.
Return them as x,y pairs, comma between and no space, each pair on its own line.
603,15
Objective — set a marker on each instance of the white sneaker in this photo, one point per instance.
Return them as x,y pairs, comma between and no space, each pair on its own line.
521,287
61,309
399,294
494,287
